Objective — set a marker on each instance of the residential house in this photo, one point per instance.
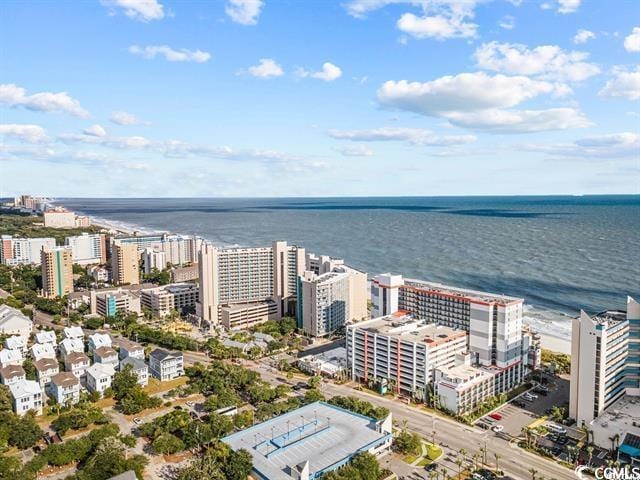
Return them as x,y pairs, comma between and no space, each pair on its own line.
130,349
71,345
27,395
16,342
42,350
46,336
12,374
10,357
65,388
166,365
106,355
98,340
45,369
138,367
73,332
14,322
99,377
77,363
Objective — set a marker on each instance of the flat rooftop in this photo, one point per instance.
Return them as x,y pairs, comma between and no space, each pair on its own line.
611,317
319,433
472,295
408,328
621,418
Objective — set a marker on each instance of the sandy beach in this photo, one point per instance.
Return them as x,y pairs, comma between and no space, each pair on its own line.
555,344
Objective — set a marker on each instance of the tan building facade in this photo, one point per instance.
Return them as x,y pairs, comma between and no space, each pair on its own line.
125,263
57,271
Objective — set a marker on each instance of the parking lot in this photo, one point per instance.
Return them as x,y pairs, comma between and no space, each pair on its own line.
515,417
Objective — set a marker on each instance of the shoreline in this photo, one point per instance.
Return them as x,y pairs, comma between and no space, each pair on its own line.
555,343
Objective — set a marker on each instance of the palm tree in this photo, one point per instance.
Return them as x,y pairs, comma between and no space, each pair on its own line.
484,455
533,473
475,458
497,457
590,453
433,437
459,463
444,473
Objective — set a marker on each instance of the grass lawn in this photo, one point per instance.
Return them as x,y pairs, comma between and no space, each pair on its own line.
156,386
433,451
410,458
424,462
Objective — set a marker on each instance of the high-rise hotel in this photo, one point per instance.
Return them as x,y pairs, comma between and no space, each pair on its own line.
57,271
230,277
493,322
125,263
604,360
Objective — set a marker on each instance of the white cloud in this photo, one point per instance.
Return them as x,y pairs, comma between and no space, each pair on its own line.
546,61
609,146
478,101
583,36
355,151
415,136
96,131
24,133
568,6
439,19
632,41
119,143
624,83
31,152
508,22
142,10
267,68
244,12
329,72
171,55
124,118
15,96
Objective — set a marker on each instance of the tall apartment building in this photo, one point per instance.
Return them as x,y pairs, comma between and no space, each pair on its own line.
402,351
633,361
57,271
494,322
246,275
88,248
152,258
328,301
23,251
30,203
181,297
179,249
320,264
124,263
599,353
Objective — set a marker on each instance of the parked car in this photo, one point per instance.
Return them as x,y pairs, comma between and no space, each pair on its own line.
496,416
519,403
431,467
497,428
137,421
190,404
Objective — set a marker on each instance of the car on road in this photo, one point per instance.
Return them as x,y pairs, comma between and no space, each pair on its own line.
496,416
487,474
529,396
191,404
137,421
497,428
519,403
431,467
295,387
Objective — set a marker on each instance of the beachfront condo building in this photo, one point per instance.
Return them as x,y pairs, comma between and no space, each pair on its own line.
493,322
178,249
153,259
59,217
57,271
401,353
124,263
23,251
175,297
599,352
232,276
88,249
329,300
633,360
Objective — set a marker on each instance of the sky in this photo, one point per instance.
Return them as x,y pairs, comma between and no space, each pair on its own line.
282,98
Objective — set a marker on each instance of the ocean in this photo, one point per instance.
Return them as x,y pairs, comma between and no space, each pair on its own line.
560,253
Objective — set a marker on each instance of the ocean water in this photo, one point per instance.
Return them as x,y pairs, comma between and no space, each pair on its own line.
560,253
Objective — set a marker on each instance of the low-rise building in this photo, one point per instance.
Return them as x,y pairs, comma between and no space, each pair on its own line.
111,302
14,322
619,427
27,395
46,337
463,388
180,297
77,363
45,369
243,316
71,345
138,367
16,342
165,365
59,217
99,377
332,363
10,357
12,374
184,274
99,339
106,355
73,332
64,388
98,274
42,350
130,349
23,251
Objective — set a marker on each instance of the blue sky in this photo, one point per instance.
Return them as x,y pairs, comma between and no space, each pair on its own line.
316,98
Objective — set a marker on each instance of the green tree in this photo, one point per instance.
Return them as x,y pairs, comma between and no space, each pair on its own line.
25,432
407,442
167,443
238,466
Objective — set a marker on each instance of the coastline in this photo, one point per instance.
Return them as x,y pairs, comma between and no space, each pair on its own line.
538,319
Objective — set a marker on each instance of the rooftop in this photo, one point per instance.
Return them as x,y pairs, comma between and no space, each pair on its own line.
46,336
621,418
45,364
105,352
136,363
472,295
98,370
65,379
73,332
463,376
75,357
610,317
25,388
161,354
410,329
319,433
11,371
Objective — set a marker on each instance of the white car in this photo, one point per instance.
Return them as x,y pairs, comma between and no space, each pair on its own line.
137,421
497,428
533,396
190,404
